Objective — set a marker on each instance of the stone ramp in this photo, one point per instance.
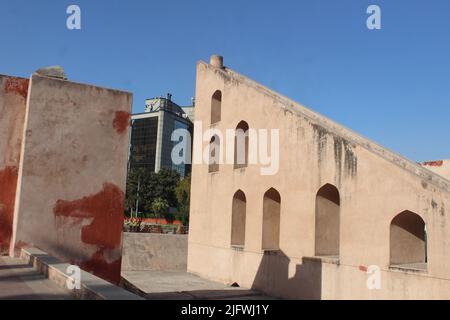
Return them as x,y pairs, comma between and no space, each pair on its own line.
166,285
20,281
91,286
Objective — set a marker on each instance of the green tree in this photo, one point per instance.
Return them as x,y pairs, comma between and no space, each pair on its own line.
164,186
160,207
183,194
146,186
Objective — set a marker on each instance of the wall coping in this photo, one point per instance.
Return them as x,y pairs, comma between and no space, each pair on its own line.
335,128
92,287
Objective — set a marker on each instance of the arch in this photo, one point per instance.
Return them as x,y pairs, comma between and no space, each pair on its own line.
407,239
327,225
238,219
271,220
216,107
214,154
241,140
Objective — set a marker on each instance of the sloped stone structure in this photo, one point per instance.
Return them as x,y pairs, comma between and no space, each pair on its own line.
72,142
343,217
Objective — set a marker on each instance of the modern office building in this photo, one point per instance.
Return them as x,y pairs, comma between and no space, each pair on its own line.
151,142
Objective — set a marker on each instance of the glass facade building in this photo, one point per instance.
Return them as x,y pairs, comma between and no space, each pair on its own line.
151,142
143,143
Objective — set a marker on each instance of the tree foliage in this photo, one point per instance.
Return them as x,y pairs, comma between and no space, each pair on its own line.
183,194
146,186
160,207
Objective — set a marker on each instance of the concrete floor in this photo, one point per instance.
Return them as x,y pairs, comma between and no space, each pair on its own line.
164,285
19,281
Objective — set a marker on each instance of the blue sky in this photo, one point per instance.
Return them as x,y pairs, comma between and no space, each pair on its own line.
391,85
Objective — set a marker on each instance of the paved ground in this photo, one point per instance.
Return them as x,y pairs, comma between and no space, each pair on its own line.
164,285
19,281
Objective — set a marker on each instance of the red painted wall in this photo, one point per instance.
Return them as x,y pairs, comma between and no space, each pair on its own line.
73,174
105,231
8,183
13,95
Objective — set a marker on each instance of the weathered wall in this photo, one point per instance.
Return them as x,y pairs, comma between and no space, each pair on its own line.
441,167
70,196
13,97
350,282
327,227
148,251
374,185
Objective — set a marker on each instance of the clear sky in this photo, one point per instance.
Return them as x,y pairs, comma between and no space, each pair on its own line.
391,85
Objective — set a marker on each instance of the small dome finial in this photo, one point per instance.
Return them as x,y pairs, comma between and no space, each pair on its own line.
52,72
217,61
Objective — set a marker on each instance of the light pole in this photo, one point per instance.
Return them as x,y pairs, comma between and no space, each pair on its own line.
137,198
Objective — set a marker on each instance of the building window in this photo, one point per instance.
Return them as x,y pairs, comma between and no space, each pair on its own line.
408,241
214,154
327,221
241,145
143,144
271,220
216,107
238,219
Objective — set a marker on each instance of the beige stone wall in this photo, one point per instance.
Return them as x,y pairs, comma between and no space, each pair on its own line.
152,251
70,195
441,167
13,98
374,185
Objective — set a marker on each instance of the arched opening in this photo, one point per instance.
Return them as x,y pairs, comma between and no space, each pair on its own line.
271,220
327,221
241,145
238,219
216,107
214,154
408,241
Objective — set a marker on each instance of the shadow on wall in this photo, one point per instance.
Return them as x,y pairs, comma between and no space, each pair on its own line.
273,277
